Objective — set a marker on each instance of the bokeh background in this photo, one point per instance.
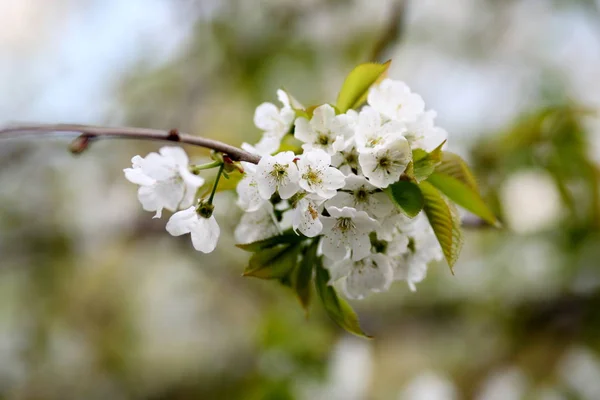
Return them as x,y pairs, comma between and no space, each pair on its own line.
97,301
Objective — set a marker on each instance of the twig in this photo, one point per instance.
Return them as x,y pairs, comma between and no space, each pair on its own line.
89,133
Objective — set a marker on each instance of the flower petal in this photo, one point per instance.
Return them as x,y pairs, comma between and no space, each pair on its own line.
181,222
205,234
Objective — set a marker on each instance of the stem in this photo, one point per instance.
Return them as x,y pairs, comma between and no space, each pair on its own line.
197,168
214,189
89,132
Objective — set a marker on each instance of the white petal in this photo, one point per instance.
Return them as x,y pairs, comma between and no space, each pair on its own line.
371,275
181,222
205,234
303,131
158,167
149,200
361,247
266,117
322,118
333,247
288,189
137,176
177,154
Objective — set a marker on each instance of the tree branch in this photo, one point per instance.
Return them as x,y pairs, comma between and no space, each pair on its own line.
94,132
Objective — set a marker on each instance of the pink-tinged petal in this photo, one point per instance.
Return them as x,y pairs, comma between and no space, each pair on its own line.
176,154
205,234
181,222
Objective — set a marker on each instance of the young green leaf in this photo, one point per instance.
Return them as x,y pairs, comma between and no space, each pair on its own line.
445,221
453,165
407,196
425,163
303,273
462,195
454,178
337,309
287,237
273,263
356,86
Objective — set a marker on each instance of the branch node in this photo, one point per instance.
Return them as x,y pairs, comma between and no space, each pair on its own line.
174,135
81,143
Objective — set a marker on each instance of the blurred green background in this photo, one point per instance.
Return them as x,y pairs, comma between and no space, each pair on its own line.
97,301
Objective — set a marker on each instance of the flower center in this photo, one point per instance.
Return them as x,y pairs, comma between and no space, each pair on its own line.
323,139
345,224
313,177
351,159
314,214
279,172
361,195
374,141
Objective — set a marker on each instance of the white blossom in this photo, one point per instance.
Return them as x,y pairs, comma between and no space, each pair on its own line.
165,180
384,164
346,160
347,231
395,100
266,146
278,173
422,248
394,224
372,131
249,198
274,121
257,225
358,193
204,231
306,215
317,176
325,130
359,278
423,134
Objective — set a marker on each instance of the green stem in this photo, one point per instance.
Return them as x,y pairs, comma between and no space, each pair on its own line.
195,169
214,189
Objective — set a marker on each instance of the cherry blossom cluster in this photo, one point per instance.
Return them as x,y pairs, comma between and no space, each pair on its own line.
332,189
335,189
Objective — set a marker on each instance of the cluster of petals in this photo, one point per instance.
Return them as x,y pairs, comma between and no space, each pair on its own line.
166,182
335,188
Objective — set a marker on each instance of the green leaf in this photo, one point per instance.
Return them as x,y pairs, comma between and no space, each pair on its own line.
356,86
337,309
453,165
425,163
407,196
287,237
303,275
454,178
273,263
445,221
463,195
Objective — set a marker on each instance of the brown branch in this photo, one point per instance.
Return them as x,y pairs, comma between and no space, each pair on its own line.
89,133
